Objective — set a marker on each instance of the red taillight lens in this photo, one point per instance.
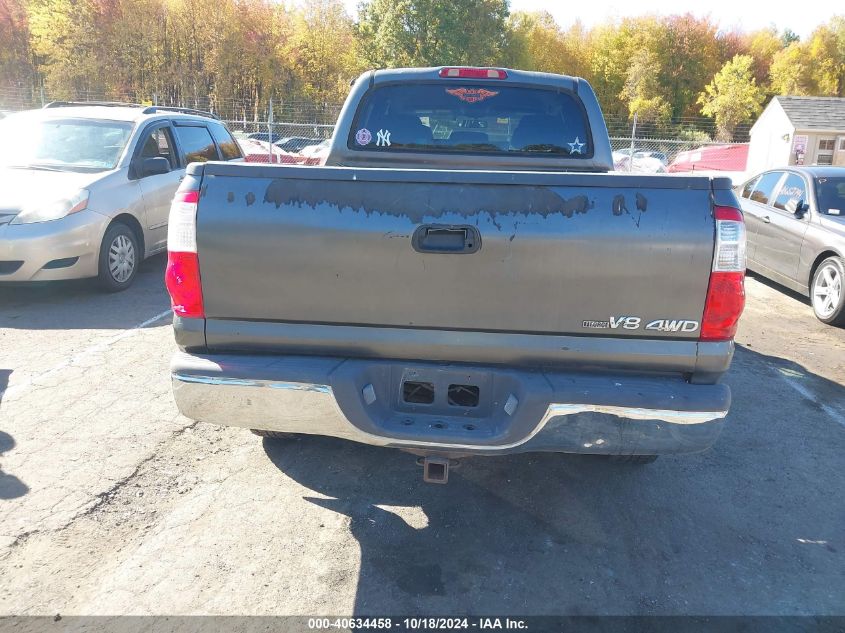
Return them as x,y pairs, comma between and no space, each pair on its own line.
182,279
725,301
182,276
473,73
189,196
726,292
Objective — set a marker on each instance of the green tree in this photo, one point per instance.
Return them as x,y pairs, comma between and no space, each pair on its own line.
789,37
395,33
733,96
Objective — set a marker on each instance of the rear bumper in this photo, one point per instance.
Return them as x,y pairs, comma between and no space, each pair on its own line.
519,410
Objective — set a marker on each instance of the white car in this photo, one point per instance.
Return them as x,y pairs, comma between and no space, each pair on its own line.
316,154
645,161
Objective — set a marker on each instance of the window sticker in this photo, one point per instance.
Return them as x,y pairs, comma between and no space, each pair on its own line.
363,136
471,95
383,138
576,147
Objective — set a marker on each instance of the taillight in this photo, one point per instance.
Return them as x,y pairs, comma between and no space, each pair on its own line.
182,276
473,73
726,292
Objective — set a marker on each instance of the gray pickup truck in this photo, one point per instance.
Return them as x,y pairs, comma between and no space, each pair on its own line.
462,278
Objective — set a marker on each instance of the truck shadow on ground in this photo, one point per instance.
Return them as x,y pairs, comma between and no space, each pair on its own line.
10,486
751,526
80,304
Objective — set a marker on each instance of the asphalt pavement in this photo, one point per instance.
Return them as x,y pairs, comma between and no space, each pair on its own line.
112,503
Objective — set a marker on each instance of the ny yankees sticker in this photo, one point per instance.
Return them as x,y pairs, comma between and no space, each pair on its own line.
383,138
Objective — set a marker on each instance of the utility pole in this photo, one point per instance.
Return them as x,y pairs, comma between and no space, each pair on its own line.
633,136
270,130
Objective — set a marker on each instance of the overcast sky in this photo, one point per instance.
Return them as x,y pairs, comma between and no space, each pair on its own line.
802,17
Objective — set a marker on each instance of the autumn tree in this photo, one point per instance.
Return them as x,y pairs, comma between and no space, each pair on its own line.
788,74
733,96
689,58
65,38
15,64
825,58
395,33
321,50
642,90
234,55
610,56
536,42
763,45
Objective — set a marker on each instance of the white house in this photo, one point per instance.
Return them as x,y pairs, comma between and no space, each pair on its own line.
798,131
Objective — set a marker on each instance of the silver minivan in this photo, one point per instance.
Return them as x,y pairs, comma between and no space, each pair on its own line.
85,188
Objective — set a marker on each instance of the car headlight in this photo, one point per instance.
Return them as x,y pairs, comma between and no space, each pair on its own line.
52,209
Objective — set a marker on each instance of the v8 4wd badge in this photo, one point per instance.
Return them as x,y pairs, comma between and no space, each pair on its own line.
636,323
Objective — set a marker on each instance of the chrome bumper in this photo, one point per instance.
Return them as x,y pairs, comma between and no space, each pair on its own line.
564,412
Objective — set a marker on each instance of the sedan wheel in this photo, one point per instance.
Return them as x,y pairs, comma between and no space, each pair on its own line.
827,292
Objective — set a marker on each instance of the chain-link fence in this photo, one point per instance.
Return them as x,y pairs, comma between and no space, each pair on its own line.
287,136
13,98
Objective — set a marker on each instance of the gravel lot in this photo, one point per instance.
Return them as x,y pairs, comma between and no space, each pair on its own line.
112,503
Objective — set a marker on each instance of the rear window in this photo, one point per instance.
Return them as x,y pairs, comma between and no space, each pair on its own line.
463,117
830,195
228,147
197,144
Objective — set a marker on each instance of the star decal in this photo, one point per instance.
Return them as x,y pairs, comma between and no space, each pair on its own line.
576,147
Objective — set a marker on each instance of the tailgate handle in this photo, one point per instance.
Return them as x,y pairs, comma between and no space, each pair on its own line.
446,238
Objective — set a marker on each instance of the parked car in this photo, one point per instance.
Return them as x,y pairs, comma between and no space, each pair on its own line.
87,186
295,143
449,296
644,161
727,158
264,137
796,233
316,154
256,151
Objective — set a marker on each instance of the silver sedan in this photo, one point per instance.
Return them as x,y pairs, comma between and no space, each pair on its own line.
795,220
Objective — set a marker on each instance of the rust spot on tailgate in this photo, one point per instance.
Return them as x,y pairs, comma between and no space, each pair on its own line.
619,205
642,202
423,200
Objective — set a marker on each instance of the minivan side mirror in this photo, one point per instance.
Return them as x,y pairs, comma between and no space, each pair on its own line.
154,166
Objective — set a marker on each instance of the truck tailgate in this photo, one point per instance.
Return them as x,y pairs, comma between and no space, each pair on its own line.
496,252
